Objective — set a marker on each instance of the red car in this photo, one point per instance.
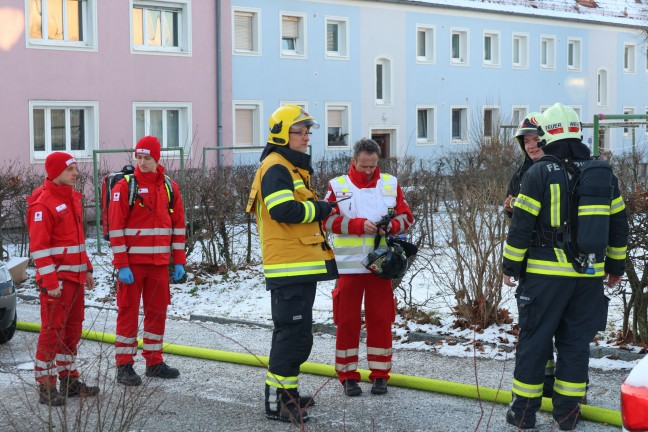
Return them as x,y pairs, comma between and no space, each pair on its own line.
634,398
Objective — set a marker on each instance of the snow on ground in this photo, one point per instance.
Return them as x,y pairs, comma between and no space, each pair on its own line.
241,295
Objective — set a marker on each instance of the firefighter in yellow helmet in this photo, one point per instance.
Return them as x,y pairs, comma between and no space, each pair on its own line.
295,254
561,299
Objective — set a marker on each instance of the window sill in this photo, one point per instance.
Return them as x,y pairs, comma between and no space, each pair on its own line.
60,45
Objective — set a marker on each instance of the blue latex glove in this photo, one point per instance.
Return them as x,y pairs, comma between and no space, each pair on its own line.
178,272
126,276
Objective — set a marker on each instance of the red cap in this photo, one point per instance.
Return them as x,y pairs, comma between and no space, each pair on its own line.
148,145
58,162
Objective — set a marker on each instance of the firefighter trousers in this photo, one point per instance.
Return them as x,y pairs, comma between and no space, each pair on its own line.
571,311
61,326
380,313
151,285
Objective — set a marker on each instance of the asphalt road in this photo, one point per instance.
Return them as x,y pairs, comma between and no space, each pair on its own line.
221,396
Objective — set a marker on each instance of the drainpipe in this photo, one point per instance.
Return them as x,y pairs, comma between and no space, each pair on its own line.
219,84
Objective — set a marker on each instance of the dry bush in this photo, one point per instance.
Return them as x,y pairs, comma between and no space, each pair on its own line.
634,189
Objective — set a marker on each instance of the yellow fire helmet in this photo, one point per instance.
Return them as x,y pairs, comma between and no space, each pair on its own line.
557,123
285,117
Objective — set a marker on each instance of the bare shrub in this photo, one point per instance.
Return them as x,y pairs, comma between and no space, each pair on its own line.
635,299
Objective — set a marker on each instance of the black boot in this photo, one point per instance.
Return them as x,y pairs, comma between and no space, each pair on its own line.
351,388
72,387
48,395
161,370
283,405
520,421
127,376
379,386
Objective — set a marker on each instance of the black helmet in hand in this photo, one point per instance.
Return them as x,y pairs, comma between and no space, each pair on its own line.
388,262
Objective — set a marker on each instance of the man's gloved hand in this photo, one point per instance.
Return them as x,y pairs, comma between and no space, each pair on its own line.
326,207
178,272
126,276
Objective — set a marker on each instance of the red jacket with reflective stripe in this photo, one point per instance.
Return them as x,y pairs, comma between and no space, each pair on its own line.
56,237
148,233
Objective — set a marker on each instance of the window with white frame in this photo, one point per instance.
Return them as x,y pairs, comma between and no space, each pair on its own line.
63,126
383,81
520,55
293,35
62,23
629,58
425,120
425,52
491,48
627,111
459,46
337,37
518,113
573,54
161,27
247,124
602,88
337,125
548,52
246,32
170,122
577,110
459,124
491,121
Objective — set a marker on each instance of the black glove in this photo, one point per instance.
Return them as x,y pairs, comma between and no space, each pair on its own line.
325,208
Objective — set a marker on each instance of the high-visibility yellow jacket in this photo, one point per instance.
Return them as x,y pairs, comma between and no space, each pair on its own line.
288,213
540,210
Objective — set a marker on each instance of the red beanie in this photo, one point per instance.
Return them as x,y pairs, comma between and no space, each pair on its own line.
148,145
58,162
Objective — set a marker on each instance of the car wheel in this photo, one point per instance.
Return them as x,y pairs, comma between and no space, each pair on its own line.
8,333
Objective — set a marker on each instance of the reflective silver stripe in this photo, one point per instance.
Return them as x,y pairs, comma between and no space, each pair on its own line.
118,249
72,268
177,246
350,265
125,340
346,367
70,367
147,231
179,231
329,222
379,365
116,233
47,269
379,351
152,347
153,336
67,249
46,372
344,226
43,365
402,218
149,249
126,350
65,358
40,254
346,353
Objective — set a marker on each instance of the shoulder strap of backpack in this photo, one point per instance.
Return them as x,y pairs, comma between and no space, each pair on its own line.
132,189
168,184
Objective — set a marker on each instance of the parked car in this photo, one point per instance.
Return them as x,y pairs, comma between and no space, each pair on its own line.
634,398
8,315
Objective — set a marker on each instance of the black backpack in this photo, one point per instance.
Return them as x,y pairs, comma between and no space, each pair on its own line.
109,182
586,230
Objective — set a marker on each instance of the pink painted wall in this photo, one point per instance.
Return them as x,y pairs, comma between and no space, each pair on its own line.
114,78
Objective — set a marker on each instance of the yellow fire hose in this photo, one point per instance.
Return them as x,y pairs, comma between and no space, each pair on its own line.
591,413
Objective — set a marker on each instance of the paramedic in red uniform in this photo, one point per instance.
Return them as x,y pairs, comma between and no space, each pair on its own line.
144,239
57,246
372,195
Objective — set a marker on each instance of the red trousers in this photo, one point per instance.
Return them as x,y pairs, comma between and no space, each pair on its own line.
151,285
61,326
380,312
